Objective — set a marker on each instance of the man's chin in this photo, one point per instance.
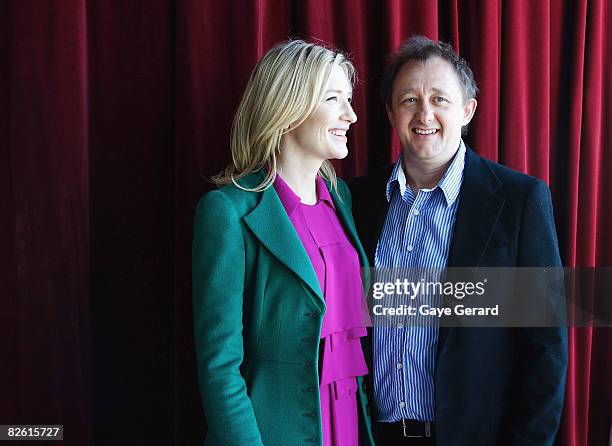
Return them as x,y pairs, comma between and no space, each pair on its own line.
422,153
428,154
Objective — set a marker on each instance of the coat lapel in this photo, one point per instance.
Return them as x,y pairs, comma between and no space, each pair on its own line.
478,210
477,213
270,224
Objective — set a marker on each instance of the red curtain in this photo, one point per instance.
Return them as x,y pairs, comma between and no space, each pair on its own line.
44,216
112,114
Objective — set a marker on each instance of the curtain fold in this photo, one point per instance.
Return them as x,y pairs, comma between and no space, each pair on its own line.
45,171
113,115
131,54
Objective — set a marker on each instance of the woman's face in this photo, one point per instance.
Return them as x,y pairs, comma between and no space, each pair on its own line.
323,135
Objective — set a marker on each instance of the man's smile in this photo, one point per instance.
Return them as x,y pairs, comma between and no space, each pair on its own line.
420,131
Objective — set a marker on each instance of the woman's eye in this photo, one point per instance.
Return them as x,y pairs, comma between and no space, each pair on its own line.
332,99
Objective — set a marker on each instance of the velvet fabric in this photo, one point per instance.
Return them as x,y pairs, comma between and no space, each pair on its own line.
112,113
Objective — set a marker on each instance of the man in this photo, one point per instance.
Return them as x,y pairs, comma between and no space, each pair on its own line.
443,205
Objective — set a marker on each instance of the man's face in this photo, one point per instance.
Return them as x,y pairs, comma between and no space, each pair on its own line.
428,109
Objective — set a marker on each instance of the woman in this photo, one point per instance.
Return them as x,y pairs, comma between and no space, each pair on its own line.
278,301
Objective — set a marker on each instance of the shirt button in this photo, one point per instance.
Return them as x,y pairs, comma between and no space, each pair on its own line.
409,247
416,212
400,325
399,365
402,404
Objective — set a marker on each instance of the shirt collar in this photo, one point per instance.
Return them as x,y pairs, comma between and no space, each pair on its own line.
291,200
450,183
395,180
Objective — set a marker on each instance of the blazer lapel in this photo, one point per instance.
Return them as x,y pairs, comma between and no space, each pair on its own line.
270,224
478,210
477,213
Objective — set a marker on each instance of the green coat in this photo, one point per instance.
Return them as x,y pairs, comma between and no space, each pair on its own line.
257,308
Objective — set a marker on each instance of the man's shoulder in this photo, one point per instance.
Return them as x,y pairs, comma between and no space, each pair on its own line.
510,180
377,177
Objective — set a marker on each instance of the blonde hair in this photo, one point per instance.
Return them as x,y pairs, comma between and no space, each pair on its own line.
284,90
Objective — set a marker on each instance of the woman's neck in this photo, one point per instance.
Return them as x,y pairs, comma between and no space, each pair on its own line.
300,176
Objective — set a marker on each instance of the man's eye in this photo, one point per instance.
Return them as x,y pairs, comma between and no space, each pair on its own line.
408,100
441,99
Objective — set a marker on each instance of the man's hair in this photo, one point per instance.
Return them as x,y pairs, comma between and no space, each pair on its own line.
422,48
284,89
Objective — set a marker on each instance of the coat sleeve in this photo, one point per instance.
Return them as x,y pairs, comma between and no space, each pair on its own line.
542,351
218,284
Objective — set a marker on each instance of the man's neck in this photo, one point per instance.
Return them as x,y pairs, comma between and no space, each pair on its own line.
425,175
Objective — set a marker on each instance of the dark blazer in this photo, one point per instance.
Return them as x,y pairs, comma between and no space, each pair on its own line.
493,386
258,310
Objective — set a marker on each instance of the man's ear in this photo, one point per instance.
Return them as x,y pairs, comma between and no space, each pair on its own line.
390,115
468,111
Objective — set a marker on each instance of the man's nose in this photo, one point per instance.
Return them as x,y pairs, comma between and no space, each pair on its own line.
425,112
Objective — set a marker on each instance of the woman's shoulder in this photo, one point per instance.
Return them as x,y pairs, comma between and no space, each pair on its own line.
232,197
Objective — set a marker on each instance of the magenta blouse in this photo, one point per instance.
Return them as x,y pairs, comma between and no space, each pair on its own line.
337,267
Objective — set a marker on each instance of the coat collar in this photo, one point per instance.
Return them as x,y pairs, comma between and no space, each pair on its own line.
269,222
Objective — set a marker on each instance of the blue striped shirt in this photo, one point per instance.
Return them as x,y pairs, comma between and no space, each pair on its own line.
416,234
